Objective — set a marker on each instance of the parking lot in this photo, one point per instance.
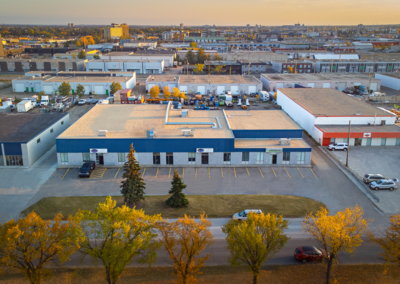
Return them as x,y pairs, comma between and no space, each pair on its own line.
376,160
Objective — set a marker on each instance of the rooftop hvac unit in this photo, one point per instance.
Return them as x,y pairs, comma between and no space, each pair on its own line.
150,133
187,132
102,133
185,113
284,141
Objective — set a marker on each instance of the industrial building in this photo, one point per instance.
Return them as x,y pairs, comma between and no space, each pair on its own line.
325,114
25,137
163,136
272,82
281,66
123,65
80,73
26,65
207,84
140,44
116,31
168,57
354,66
259,55
390,80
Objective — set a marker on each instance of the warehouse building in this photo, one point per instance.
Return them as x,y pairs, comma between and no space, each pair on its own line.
207,84
25,137
167,56
26,65
282,66
163,136
354,66
325,115
28,84
80,73
138,66
272,82
390,80
259,55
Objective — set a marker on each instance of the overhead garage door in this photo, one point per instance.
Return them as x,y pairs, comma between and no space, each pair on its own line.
201,89
279,85
326,85
220,90
149,86
87,89
99,90
38,87
19,87
311,85
48,89
183,89
171,86
342,86
235,90
373,87
357,84
252,89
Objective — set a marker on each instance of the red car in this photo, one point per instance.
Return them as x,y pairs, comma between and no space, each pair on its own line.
308,253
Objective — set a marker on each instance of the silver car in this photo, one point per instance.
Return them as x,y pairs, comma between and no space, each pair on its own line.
383,184
242,215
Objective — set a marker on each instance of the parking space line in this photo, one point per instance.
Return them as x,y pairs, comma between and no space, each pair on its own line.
157,173
103,172
287,172
143,172
169,172
117,173
261,172
222,173
300,172
195,175
65,173
313,172
247,171
234,169
209,176
183,172
77,175
274,172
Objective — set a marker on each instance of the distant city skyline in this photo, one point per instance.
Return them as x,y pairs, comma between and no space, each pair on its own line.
222,12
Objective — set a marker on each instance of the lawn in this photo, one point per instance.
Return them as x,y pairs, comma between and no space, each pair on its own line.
215,206
289,274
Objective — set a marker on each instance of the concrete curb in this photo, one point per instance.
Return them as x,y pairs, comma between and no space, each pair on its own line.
354,178
196,166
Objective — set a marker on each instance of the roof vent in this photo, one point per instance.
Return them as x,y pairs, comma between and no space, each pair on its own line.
188,132
284,141
152,78
150,133
102,133
185,113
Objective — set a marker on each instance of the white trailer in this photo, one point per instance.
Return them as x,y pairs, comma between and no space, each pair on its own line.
264,96
24,106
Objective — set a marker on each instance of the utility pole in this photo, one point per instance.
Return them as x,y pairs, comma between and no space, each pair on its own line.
230,70
348,145
209,68
187,67
249,68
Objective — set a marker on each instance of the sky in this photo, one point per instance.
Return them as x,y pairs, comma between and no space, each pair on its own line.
204,12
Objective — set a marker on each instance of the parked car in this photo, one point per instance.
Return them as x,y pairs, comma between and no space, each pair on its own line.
253,94
87,168
373,177
242,215
309,253
383,184
82,102
338,146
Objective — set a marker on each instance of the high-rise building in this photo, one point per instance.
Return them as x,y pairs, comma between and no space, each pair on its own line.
182,26
115,31
71,24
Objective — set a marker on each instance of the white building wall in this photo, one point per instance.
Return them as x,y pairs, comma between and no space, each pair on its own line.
363,120
390,141
376,142
318,135
390,82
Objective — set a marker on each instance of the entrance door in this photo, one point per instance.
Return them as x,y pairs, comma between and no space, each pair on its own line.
204,158
357,142
274,159
99,159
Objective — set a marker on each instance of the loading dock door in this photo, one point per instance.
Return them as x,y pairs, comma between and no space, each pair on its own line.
235,90
373,87
357,84
38,87
311,85
342,86
279,85
326,85
19,87
48,90
201,89
87,89
171,87
252,89
99,90
149,86
183,89
220,90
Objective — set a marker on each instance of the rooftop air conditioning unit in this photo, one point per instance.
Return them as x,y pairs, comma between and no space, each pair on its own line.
185,113
284,141
187,132
102,133
150,133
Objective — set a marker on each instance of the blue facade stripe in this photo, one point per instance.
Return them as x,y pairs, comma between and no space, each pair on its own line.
156,145
296,133
12,149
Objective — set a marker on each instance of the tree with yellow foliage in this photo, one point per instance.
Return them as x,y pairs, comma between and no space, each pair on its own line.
30,244
78,43
198,68
154,91
176,93
115,235
193,44
182,96
184,240
388,239
252,241
166,92
84,41
335,233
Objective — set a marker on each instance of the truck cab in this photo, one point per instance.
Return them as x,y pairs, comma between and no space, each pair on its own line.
44,101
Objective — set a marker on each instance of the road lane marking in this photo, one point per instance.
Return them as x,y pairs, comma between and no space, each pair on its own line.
313,172
169,172
300,172
195,176
287,172
117,173
247,171
143,172
65,173
209,173
261,172
234,169
222,173
157,173
274,172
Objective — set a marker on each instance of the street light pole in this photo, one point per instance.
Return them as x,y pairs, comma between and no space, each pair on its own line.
348,146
